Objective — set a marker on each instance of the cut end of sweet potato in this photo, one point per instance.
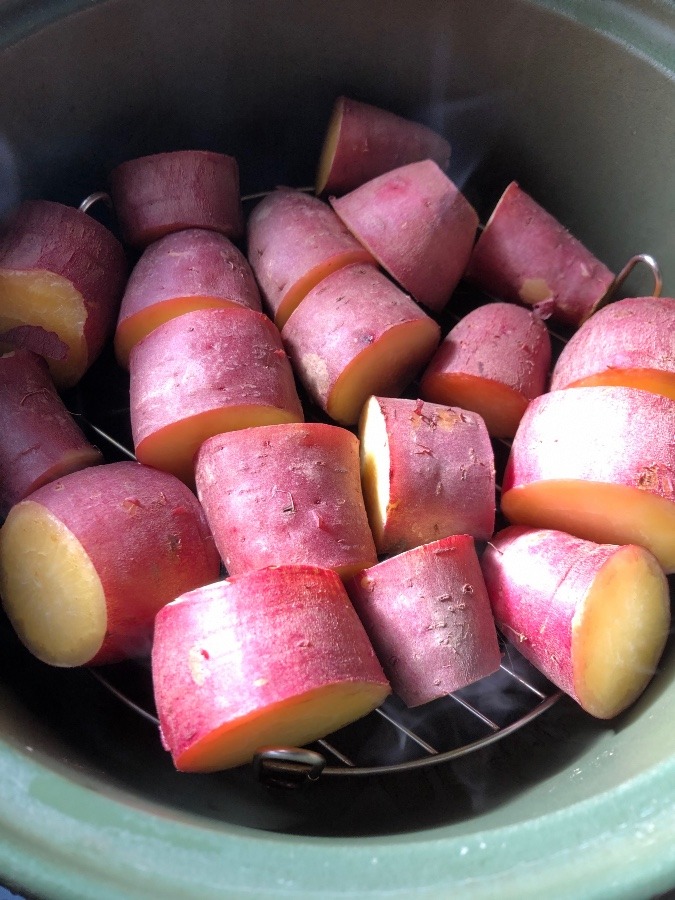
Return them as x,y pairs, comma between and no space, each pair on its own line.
643,379
133,329
383,369
605,513
295,722
299,290
51,302
619,633
329,146
173,448
375,465
50,589
500,407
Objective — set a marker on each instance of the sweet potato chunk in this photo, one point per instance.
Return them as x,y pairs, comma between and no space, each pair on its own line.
427,472
274,657
599,463
494,361
593,618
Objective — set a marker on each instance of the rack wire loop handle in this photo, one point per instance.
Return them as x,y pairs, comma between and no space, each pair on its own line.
96,197
645,259
287,766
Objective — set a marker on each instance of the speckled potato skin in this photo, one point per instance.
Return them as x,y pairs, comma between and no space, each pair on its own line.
285,494
428,616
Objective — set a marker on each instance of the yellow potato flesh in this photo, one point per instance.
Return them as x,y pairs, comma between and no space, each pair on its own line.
644,379
384,369
50,589
619,633
329,148
47,300
605,513
294,722
500,407
375,463
173,448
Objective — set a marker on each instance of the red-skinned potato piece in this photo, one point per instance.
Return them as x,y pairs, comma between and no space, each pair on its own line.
294,241
275,657
593,618
428,616
354,335
493,361
427,472
62,274
524,255
86,561
630,342
203,373
186,270
418,226
363,141
166,192
39,439
599,463
286,494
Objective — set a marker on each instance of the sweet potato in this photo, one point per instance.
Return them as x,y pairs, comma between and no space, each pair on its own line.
494,361
428,616
629,343
274,657
593,618
285,494
165,192
525,255
427,471
294,241
205,372
39,439
354,335
363,141
62,274
186,270
418,226
599,463
87,560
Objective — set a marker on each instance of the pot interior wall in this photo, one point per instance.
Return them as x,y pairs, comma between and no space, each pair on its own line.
522,92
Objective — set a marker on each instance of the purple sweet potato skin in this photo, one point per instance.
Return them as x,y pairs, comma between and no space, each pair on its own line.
51,237
285,494
499,342
524,255
634,333
39,439
165,192
419,227
373,140
428,617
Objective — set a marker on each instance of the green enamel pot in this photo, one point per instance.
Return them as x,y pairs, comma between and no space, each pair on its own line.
575,99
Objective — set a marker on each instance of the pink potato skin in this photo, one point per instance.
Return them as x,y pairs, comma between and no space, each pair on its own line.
51,237
39,439
497,342
209,359
285,494
524,255
536,579
166,192
373,140
293,239
614,435
441,474
342,318
634,333
428,616
419,227
187,265
260,639
147,538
